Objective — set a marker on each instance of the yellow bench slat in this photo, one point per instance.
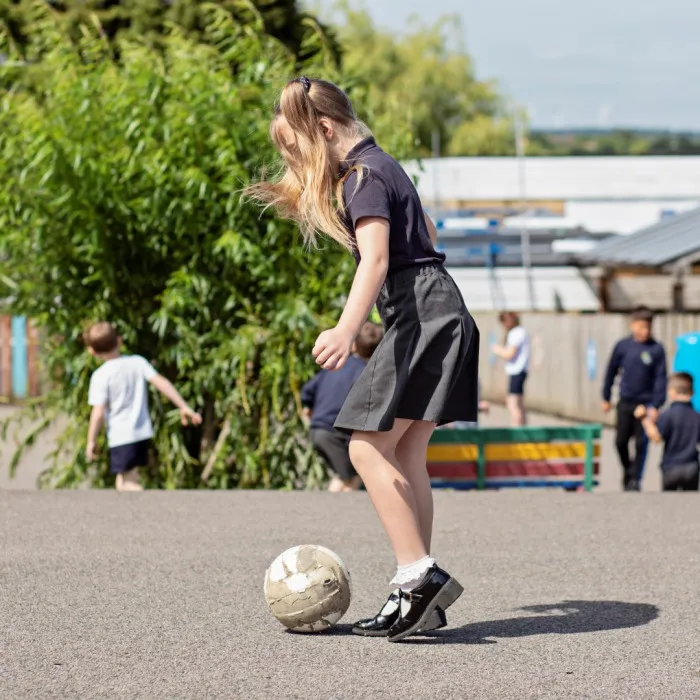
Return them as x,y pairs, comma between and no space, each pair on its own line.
510,453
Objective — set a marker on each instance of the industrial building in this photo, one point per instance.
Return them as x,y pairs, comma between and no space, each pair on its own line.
596,194
658,266
568,234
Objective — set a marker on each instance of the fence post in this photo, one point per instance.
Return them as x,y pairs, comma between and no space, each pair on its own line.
588,462
32,359
481,464
6,356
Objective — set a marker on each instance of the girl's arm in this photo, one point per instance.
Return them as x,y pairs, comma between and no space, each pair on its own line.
431,229
373,244
332,347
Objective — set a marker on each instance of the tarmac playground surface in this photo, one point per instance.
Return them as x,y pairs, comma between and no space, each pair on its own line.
159,595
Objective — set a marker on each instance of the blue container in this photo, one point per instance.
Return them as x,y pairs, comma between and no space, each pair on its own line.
688,360
20,369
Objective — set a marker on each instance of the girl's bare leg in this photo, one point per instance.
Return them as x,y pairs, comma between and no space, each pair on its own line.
393,467
373,454
411,453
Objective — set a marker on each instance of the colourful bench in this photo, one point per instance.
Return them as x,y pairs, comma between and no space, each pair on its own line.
485,458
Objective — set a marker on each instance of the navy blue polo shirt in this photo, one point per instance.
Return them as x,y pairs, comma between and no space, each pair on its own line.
385,190
679,426
643,367
327,391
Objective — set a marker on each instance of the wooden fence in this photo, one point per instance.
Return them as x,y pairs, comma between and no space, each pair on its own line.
19,361
570,353
569,356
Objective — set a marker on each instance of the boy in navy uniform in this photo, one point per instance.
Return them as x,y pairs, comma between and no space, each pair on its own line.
642,361
678,427
322,399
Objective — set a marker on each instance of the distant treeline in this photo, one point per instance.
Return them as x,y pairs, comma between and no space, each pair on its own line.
618,142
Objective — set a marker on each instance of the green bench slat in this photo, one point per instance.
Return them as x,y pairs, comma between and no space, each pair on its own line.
486,436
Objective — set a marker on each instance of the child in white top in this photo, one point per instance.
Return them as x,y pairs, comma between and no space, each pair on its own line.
119,397
516,353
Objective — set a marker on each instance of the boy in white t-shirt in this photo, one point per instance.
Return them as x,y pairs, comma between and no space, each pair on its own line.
516,353
119,397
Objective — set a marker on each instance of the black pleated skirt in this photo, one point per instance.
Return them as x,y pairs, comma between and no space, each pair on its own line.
427,365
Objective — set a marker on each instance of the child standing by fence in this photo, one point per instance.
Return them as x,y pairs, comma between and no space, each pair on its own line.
516,352
642,362
424,372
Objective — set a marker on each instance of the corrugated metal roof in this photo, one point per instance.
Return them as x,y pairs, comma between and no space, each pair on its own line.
660,244
582,178
555,289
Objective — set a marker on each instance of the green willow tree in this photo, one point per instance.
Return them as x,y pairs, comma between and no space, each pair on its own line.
420,83
146,20
120,200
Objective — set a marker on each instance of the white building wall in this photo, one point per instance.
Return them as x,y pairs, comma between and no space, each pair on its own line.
616,178
616,194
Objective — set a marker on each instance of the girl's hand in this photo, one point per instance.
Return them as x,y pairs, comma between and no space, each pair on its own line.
332,348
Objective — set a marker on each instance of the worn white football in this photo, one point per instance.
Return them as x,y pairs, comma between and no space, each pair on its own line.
307,588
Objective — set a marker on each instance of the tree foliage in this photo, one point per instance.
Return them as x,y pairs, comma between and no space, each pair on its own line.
617,142
128,130
147,20
121,201
421,83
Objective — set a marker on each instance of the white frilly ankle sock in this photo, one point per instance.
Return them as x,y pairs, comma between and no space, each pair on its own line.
408,576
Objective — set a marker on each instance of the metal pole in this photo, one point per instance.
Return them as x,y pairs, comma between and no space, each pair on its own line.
524,232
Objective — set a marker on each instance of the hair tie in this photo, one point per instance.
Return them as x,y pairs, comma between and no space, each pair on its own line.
305,82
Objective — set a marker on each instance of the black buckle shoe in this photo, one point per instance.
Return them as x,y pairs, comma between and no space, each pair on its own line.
381,623
437,590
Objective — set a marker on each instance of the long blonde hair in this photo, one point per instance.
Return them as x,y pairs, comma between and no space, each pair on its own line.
308,190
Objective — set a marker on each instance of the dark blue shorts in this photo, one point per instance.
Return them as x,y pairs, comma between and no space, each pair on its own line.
516,383
124,458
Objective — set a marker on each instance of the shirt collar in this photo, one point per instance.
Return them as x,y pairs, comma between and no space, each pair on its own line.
354,154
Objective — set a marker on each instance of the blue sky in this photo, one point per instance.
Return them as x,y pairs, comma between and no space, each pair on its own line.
597,63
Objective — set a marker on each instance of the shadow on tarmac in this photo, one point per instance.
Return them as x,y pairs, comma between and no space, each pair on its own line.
567,617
